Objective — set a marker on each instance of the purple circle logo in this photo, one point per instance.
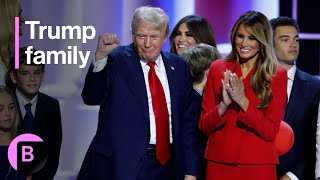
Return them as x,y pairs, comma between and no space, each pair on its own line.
27,153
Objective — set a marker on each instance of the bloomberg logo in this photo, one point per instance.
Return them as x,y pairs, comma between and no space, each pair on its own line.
27,153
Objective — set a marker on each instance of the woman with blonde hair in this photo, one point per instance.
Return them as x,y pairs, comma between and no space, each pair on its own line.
243,104
9,119
9,9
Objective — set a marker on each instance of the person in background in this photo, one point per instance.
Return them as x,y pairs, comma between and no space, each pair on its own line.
9,119
199,58
189,31
9,9
39,112
243,104
303,95
146,128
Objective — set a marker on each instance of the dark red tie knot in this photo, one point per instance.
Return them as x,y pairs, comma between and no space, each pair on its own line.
151,64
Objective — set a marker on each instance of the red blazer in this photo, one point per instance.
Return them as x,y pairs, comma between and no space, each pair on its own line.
240,137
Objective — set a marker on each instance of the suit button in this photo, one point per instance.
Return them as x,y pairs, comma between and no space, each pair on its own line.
147,136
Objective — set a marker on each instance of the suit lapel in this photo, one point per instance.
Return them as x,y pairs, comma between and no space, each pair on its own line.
297,92
172,81
20,124
170,69
39,112
137,81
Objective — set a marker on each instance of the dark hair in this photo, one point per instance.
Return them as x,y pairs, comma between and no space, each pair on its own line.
284,21
23,59
199,27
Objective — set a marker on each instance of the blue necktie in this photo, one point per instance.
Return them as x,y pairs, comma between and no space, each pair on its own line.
28,118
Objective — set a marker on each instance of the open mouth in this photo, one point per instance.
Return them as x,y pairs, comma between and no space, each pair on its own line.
32,85
182,46
244,50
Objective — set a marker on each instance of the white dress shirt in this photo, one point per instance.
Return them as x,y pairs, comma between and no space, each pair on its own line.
162,75
22,102
291,73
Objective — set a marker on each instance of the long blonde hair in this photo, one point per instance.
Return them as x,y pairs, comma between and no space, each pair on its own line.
257,25
8,10
14,128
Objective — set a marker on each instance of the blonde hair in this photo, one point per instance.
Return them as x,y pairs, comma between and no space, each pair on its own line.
14,128
155,16
8,10
257,25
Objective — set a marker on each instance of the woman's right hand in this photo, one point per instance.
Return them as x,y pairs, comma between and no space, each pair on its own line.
226,100
226,97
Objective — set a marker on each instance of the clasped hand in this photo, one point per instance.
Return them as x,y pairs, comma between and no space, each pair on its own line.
233,89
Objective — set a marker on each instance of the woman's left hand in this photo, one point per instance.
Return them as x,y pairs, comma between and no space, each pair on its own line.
235,89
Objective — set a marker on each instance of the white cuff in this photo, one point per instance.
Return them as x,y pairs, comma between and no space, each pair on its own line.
292,176
99,65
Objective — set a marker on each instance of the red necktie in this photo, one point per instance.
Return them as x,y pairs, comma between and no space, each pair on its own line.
161,115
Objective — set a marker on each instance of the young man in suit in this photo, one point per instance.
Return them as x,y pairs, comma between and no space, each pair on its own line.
147,125
303,103
40,113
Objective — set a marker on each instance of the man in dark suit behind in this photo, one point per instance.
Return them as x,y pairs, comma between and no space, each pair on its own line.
45,111
303,102
128,144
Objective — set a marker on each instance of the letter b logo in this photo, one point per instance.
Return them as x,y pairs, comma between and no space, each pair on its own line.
27,153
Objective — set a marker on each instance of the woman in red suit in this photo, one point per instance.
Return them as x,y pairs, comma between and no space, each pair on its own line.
243,104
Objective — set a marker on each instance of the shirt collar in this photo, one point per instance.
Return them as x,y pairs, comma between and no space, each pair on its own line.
21,99
159,62
291,73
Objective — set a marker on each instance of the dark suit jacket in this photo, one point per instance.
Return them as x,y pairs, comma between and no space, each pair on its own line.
203,139
301,115
47,125
123,132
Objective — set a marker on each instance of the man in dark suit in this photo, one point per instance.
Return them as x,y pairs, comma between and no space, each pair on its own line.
131,141
43,110
303,102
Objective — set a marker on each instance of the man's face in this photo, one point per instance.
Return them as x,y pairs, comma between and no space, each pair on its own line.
28,80
148,41
286,44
